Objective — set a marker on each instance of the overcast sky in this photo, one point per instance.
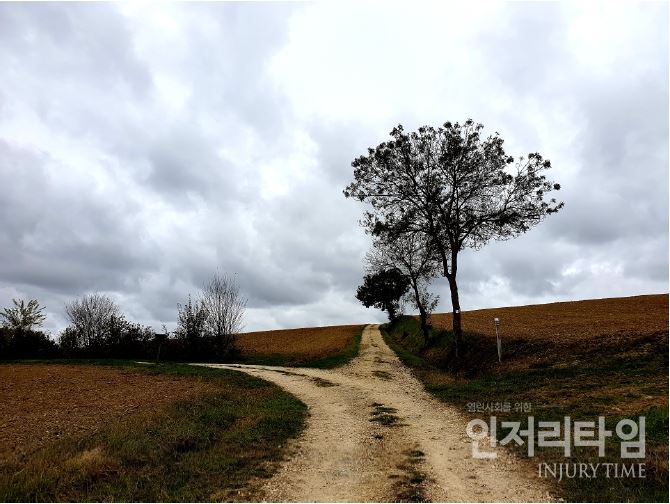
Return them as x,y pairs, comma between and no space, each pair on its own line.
144,146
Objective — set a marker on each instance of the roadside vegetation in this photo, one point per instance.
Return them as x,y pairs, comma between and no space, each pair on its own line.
167,432
208,330
207,326
584,359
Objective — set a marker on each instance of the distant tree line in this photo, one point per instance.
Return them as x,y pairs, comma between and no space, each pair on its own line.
206,329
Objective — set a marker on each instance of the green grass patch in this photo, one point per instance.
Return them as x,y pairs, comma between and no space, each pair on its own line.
384,415
409,486
202,449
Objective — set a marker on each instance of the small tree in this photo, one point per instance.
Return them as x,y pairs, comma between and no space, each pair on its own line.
92,317
419,263
127,340
191,324
69,342
454,188
383,290
19,337
115,333
23,316
225,309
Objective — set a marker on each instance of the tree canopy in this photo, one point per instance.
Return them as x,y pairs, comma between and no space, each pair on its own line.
454,187
23,316
384,289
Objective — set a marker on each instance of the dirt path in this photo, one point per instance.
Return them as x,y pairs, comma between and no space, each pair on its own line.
375,434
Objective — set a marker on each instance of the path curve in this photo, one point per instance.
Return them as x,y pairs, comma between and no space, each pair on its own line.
374,434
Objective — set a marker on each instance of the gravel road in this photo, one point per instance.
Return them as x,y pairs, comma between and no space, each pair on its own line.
374,434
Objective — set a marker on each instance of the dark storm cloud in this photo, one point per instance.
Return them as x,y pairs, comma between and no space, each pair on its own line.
143,147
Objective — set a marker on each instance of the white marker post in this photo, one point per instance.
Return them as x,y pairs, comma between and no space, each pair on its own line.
498,342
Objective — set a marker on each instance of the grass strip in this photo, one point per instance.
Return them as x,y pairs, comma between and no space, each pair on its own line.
207,448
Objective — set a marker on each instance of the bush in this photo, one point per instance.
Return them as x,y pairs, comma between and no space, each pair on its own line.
118,339
26,344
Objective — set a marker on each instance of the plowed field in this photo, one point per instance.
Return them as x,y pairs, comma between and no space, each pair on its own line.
566,323
40,404
311,342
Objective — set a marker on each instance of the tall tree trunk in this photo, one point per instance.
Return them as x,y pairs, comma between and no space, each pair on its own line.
392,313
456,306
453,287
423,316
424,323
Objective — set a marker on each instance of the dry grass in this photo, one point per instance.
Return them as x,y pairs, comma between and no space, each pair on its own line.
311,342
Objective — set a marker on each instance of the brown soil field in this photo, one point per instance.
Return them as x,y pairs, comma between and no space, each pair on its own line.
570,322
536,334
42,403
311,342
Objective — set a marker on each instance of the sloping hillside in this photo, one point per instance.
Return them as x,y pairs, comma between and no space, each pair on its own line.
580,359
570,322
309,346
535,335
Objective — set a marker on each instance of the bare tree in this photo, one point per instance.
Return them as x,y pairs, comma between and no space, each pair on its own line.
455,188
91,317
23,316
417,261
225,309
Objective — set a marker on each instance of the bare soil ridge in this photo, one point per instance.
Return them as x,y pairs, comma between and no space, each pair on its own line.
375,434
